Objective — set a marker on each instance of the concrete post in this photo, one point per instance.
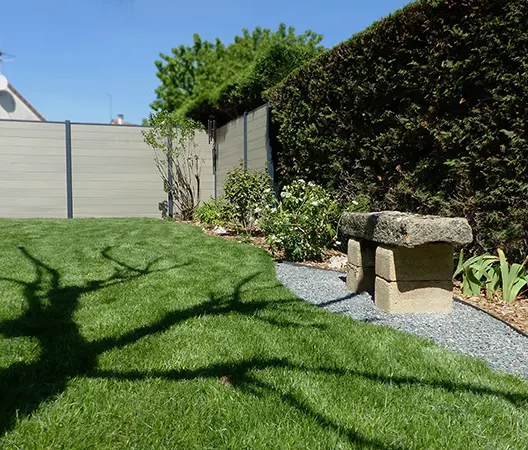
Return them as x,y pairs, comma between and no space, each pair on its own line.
417,279
361,266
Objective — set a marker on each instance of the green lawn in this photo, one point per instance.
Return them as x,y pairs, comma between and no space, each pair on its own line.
139,334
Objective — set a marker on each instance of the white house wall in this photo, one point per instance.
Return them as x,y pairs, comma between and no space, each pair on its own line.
12,108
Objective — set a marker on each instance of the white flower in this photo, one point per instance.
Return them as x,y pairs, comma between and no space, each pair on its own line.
273,210
301,181
310,184
285,194
267,191
315,203
354,202
257,210
338,242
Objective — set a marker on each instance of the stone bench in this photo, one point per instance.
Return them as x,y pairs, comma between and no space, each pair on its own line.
405,260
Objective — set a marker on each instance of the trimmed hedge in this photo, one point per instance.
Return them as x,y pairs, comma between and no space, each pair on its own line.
425,111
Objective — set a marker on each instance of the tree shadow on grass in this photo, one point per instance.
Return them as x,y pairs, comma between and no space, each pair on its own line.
243,375
66,354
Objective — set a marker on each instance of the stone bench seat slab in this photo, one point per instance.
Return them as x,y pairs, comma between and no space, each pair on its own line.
406,230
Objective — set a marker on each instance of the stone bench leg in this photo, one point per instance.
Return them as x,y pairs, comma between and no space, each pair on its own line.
415,279
360,266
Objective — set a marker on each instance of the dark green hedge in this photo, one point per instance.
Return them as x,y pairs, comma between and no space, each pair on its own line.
425,111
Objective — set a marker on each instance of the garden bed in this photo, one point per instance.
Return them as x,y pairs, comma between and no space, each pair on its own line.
257,239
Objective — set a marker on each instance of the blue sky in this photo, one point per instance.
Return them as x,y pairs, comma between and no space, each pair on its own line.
69,53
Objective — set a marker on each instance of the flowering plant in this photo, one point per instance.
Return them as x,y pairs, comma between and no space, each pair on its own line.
302,222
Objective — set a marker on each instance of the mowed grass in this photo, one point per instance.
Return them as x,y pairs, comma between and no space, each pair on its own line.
144,334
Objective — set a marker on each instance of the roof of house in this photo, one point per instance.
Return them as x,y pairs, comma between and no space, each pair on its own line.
23,100
116,122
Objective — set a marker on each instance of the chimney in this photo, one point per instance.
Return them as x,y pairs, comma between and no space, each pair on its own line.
120,119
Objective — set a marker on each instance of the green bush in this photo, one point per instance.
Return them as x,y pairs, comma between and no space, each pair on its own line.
215,212
425,111
302,223
248,192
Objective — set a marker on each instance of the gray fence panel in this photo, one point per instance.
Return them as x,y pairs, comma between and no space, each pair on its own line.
230,145
204,151
230,150
99,153
32,169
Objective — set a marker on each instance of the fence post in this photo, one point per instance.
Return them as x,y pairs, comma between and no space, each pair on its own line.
215,189
211,133
245,142
269,153
169,177
69,187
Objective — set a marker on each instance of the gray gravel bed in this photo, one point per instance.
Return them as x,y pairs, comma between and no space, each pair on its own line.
466,330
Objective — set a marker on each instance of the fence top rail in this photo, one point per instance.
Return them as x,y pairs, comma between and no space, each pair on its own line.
245,114
73,123
30,121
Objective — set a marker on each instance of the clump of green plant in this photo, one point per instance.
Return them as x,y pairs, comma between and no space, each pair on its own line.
492,273
302,223
215,212
248,192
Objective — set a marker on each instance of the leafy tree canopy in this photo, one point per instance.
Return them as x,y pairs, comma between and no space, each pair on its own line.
211,78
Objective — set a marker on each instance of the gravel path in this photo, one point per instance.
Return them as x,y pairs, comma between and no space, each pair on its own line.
465,330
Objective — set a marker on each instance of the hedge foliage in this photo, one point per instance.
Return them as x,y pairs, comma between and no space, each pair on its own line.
425,111
244,92
212,78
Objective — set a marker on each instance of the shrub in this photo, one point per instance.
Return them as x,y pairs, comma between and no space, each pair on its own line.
248,192
215,212
425,111
302,223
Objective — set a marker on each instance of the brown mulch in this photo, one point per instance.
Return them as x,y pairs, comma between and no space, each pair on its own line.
515,313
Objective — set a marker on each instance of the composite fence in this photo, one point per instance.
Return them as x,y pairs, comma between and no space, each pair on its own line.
32,169
246,140
63,169
50,169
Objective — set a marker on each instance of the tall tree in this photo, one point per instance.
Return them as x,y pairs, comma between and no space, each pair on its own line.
206,77
177,73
